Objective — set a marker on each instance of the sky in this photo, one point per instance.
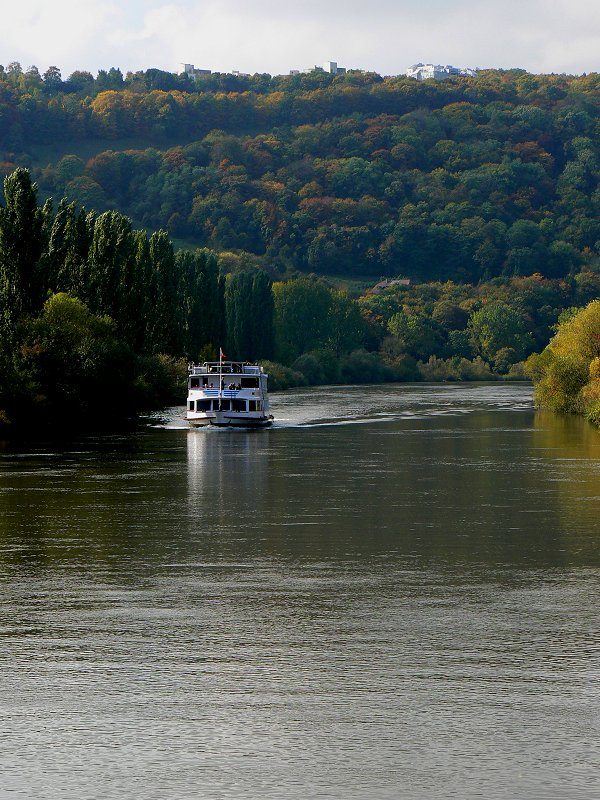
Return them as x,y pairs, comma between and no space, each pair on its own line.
274,36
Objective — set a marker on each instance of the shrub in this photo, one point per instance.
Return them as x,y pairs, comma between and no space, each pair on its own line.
281,377
455,369
161,380
363,367
319,367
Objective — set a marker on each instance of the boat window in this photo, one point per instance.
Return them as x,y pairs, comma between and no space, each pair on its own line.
249,383
251,405
225,405
238,405
194,383
202,405
191,405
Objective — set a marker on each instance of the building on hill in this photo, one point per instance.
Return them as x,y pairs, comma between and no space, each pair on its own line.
439,72
332,68
329,67
192,72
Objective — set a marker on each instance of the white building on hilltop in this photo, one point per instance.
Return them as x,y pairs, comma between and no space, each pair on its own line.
192,72
330,67
439,72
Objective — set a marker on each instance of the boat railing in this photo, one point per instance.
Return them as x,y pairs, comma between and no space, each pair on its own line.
225,368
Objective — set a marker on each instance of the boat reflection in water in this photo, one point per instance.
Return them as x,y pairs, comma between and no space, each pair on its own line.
227,474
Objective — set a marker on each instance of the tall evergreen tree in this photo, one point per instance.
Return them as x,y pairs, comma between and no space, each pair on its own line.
202,290
238,314
262,311
249,314
167,314
21,240
134,302
140,299
43,280
111,252
67,251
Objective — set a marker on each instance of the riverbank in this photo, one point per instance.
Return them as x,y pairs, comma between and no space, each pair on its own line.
321,368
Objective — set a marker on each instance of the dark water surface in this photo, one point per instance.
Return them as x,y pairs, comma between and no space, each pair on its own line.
393,593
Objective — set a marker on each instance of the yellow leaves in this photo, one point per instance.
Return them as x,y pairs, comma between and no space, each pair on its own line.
567,373
105,102
594,369
579,337
270,102
272,187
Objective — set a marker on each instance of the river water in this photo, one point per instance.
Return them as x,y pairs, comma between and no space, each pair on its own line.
393,593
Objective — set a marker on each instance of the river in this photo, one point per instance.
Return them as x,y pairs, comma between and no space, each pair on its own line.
392,593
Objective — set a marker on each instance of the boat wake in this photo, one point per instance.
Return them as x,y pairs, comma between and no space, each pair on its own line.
365,405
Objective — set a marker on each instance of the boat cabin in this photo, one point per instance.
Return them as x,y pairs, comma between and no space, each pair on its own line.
228,386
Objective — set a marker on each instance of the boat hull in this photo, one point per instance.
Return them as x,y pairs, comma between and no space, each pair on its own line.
222,419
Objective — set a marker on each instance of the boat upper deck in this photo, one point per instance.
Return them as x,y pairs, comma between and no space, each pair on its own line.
225,368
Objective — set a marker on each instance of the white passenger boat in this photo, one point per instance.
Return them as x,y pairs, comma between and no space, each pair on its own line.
228,394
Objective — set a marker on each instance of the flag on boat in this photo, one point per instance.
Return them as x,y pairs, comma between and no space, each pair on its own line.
221,353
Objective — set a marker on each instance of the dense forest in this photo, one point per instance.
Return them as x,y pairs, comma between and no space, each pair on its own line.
258,213
465,179
98,320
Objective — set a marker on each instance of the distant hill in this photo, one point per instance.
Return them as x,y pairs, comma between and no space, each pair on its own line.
356,175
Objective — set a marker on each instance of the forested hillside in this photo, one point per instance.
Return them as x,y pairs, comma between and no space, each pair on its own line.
465,179
234,211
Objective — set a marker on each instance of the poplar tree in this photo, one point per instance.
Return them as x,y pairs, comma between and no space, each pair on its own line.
110,253
238,315
166,314
262,313
249,315
140,298
202,290
20,245
134,301
67,251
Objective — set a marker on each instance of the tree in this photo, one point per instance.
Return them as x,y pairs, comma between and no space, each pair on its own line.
52,79
81,80
238,314
68,168
167,324
348,328
20,246
67,251
497,326
202,289
417,335
249,315
111,250
301,317
263,310
75,365
113,79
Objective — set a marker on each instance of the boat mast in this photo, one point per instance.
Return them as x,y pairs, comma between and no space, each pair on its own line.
220,375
